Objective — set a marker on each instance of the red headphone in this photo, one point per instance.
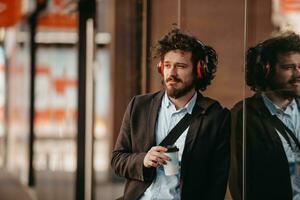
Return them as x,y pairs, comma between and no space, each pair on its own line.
201,68
267,69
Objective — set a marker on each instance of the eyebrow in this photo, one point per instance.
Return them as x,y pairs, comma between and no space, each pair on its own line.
180,63
294,65
288,64
285,64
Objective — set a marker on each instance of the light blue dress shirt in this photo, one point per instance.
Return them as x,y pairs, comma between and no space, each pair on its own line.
291,118
168,187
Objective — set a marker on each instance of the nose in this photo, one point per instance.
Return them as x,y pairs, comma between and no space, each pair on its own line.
297,70
172,70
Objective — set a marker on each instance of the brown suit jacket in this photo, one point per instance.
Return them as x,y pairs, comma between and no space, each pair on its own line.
205,159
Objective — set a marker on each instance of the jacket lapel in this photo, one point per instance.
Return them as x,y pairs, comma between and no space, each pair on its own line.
193,129
201,106
298,102
153,114
258,105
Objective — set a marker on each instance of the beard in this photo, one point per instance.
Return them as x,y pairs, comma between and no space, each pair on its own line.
286,89
176,93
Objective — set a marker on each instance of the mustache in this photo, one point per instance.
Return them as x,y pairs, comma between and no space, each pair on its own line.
278,90
173,78
295,80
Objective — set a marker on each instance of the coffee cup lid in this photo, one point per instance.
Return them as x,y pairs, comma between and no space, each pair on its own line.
172,148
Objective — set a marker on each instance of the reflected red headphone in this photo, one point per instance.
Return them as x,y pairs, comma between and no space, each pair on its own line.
201,68
267,69
258,52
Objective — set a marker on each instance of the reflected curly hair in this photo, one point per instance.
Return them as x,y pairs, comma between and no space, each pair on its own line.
266,53
176,39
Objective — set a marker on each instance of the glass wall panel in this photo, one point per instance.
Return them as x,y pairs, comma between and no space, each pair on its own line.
247,146
269,117
2,107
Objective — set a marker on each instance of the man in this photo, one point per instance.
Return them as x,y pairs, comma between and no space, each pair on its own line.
186,66
267,126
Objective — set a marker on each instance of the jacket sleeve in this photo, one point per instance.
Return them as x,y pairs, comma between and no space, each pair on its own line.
236,163
125,162
220,158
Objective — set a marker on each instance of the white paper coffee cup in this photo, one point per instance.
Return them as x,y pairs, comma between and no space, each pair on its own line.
172,166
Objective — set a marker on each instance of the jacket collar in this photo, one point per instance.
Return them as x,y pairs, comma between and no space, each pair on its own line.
201,106
168,104
256,102
204,103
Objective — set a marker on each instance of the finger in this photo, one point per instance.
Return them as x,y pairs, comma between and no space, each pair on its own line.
154,158
148,162
163,162
152,164
166,157
160,161
157,154
159,148
161,155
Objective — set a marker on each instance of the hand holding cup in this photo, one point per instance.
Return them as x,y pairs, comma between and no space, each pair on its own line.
155,156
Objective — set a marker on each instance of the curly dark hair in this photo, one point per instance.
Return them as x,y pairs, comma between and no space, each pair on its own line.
266,53
176,39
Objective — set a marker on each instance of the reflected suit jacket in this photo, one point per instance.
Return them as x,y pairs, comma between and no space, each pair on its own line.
266,172
205,159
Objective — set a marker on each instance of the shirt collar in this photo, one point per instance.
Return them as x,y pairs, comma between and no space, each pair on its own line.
167,103
273,108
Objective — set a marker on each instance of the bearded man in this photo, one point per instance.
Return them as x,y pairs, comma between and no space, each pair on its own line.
186,66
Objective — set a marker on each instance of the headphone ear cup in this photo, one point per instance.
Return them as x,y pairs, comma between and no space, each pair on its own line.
160,68
200,69
267,69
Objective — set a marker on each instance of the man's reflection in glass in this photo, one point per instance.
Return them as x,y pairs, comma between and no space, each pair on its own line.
271,168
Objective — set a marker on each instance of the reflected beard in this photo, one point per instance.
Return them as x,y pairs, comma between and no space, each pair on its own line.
287,93
284,90
291,93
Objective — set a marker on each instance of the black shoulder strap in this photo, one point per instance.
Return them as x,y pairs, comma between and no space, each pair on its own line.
175,133
284,131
